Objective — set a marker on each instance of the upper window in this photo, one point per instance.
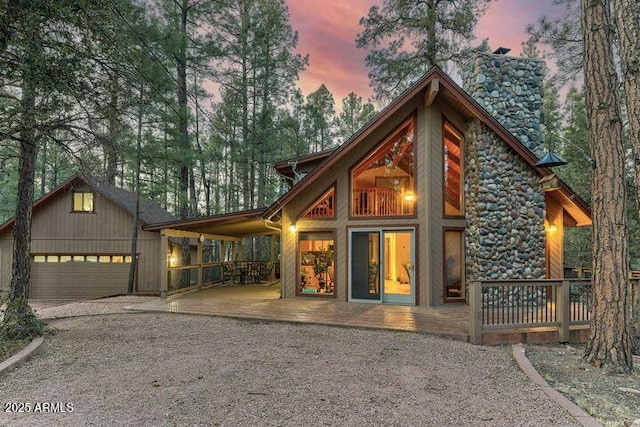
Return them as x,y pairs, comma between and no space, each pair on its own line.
383,183
324,207
452,148
83,202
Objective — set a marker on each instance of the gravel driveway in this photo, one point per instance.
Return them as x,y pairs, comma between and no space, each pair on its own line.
170,369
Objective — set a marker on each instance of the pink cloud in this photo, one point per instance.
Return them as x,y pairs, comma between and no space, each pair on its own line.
327,31
505,22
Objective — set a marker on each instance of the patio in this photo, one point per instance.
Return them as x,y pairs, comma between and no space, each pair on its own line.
264,303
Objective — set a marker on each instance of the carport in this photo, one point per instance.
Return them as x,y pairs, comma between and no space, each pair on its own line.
216,244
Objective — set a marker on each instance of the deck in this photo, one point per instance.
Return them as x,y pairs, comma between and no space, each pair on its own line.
263,303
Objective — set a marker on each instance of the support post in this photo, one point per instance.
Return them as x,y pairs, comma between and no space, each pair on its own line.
272,256
164,273
564,310
475,313
199,261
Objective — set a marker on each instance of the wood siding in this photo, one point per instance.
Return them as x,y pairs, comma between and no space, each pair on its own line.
57,230
6,247
343,222
555,239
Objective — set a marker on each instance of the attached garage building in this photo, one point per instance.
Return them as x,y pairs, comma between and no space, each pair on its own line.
81,242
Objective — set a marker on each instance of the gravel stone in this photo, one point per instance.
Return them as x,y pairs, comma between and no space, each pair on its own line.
172,369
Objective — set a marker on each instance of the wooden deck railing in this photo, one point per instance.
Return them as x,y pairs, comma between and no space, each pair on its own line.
187,277
516,306
380,202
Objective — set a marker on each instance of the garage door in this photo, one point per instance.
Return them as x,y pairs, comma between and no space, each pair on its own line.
78,280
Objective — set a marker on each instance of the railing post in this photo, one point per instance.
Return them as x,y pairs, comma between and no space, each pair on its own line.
475,313
564,310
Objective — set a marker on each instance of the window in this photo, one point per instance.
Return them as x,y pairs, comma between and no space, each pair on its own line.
83,202
453,265
316,263
92,259
452,148
324,207
383,183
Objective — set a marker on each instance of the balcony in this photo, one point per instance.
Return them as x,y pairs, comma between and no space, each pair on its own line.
375,202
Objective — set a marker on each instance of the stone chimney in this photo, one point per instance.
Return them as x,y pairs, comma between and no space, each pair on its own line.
510,89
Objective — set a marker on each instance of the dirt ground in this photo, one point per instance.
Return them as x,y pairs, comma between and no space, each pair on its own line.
170,369
613,399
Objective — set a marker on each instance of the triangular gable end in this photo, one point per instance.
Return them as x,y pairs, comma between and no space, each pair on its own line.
323,207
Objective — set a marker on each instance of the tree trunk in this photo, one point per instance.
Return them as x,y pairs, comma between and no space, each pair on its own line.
19,321
133,267
183,123
43,169
609,344
627,15
111,141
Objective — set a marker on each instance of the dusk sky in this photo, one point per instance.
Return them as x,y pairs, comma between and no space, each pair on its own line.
327,30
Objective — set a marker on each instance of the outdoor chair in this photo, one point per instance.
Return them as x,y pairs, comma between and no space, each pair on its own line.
265,273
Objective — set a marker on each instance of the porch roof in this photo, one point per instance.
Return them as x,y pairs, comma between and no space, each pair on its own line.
236,224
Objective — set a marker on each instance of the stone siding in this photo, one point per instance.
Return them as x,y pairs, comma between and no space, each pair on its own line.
505,236
511,90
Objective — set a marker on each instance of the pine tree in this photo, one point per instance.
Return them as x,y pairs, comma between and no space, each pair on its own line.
609,345
407,37
353,116
320,112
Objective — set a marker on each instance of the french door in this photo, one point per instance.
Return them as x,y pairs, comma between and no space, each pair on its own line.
382,266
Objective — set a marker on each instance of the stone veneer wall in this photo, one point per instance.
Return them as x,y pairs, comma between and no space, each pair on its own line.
505,210
511,90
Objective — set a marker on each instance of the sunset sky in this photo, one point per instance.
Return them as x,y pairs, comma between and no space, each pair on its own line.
327,30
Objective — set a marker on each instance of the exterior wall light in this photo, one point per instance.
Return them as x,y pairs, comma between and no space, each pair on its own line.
292,228
552,229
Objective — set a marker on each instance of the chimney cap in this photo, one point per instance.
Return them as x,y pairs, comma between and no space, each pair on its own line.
502,51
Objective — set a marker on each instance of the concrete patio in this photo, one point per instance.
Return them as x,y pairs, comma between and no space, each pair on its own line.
263,303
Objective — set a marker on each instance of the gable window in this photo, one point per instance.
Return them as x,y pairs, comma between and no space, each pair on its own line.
383,183
83,202
452,181
324,207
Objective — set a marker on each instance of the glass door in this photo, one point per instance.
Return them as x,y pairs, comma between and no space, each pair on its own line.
382,266
365,266
398,276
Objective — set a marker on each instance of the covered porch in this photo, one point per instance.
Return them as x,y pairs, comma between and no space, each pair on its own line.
230,249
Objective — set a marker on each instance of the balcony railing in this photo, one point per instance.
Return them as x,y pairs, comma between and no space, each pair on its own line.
380,202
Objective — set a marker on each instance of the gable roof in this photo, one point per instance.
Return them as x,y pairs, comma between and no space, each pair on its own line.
150,211
453,93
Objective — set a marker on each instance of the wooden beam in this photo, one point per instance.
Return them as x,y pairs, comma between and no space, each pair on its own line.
432,92
169,232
